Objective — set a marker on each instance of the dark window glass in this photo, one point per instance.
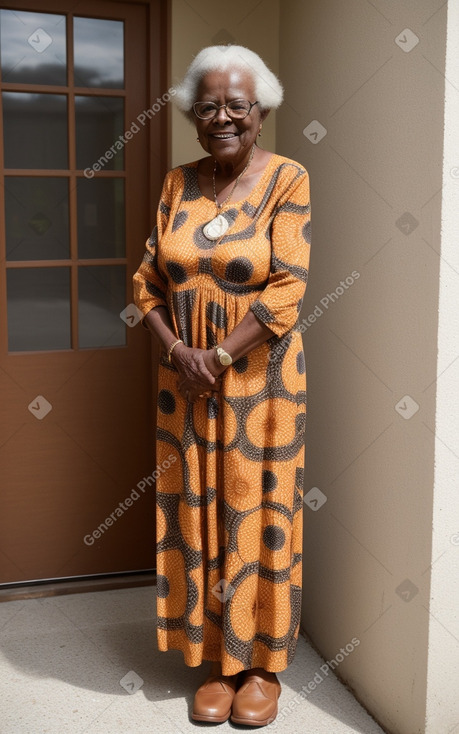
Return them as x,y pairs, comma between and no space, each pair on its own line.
33,47
35,130
99,125
38,308
98,52
101,298
101,223
36,218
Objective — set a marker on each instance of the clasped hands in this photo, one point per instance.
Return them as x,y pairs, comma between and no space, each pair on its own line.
199,371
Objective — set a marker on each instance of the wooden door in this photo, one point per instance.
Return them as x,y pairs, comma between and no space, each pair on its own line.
80,177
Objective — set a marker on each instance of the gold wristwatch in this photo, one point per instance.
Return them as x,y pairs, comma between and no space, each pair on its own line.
223,357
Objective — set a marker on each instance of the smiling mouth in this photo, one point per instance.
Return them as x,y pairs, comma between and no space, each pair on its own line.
223,136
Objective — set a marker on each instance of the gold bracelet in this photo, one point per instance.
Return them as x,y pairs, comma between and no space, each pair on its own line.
171,348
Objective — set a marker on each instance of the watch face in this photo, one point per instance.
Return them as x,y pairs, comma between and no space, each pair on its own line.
225,358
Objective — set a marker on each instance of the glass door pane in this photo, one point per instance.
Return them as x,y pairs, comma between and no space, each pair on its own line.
98,52
35,130
38,308
44,219
33,47
101,221
101,298
99,124
36,218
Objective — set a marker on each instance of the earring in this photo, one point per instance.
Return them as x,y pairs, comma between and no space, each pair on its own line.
259,132
197,139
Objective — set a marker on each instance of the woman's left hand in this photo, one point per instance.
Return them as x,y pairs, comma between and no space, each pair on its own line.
188,387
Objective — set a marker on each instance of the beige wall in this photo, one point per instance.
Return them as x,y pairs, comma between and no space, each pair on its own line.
369,546
201,23
443,662
382,109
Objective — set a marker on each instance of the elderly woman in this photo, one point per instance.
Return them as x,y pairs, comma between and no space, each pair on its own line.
220,287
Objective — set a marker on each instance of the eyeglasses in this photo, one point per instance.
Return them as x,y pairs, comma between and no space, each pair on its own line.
237,109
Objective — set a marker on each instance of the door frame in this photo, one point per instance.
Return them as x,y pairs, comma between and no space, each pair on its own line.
157,163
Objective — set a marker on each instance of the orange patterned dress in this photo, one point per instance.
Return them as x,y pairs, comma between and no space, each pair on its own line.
230,491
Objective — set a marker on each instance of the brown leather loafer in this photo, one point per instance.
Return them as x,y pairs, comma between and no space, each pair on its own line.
213,699
255,702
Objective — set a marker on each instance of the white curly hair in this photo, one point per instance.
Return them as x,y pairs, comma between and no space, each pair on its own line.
268,89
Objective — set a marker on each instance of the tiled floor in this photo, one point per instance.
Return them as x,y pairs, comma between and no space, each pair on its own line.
88,663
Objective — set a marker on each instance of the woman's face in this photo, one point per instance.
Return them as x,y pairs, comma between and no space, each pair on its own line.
222,87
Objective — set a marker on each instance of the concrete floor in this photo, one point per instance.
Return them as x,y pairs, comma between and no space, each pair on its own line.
88,664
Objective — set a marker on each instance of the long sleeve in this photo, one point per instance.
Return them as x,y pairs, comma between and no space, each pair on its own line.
150,285
279,303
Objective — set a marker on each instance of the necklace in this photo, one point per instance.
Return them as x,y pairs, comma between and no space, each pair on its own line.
218,226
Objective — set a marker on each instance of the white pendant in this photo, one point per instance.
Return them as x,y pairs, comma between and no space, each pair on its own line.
216,227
